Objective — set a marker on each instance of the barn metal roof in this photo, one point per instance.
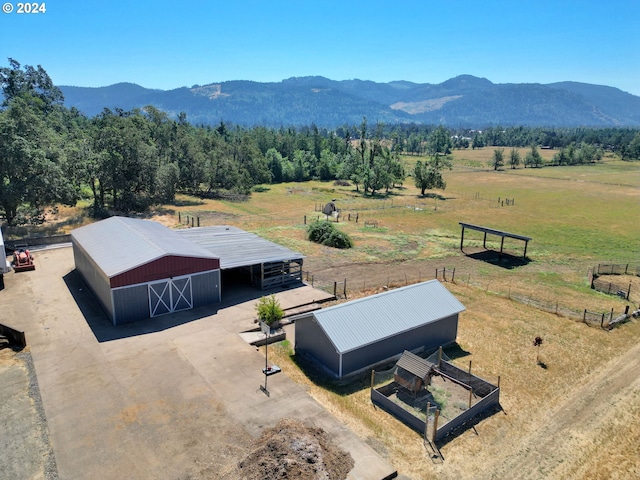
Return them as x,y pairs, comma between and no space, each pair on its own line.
367,320
236,247
119,244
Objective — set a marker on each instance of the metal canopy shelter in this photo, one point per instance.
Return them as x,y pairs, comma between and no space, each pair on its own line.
499,233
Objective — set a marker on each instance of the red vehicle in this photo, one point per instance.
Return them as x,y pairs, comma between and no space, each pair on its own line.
23,260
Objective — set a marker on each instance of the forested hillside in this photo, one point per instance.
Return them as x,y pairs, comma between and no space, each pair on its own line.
127,160
462,102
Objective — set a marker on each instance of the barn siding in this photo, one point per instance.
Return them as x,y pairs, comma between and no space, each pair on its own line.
94,277
205,288
130,304
165,267
312,341
430,335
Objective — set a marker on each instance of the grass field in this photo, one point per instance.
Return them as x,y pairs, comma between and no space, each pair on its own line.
577,418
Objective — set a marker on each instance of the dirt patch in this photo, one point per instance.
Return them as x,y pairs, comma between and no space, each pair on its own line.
293,450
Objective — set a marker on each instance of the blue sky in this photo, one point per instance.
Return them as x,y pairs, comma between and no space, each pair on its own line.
162,44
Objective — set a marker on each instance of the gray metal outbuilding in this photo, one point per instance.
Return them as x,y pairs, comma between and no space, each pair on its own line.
354,336
139,269
264,263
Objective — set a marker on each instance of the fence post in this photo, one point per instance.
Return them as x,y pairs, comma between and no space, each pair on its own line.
470,396
179,218
335,287
629,291
602,321
453,275
426,422
344,291
198,221
435,425
305,219
584,316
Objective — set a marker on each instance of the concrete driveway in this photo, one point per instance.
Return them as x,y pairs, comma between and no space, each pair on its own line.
170,398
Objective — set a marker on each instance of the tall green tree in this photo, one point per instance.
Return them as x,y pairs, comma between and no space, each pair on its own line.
533,158
497,161
514,158
428,175
32,160
439,142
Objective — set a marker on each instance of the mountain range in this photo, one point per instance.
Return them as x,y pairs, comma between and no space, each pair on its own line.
463,101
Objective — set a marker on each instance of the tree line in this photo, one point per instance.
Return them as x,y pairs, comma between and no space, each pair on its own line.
128,160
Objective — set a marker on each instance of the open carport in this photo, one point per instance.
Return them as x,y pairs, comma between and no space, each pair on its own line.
243,255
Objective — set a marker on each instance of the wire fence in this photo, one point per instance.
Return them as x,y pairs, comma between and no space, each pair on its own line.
626,290
349,288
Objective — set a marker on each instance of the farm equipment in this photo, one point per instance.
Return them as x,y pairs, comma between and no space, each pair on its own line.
22,260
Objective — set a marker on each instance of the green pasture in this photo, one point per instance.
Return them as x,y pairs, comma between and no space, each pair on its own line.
574,212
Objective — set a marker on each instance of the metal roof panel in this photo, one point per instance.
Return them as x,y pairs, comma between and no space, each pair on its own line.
367,320
119,244
236,247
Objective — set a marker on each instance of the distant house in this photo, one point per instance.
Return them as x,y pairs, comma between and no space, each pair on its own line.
356,335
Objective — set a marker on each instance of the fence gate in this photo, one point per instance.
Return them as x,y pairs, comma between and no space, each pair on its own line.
170,296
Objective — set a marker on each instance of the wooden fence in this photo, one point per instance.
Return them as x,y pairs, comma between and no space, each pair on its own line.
489,393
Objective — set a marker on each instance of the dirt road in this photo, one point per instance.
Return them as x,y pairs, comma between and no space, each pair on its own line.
585,422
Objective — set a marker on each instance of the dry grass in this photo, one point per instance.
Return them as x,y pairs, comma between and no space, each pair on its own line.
577,216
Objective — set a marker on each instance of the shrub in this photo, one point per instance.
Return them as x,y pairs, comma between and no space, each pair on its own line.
269,310
325,233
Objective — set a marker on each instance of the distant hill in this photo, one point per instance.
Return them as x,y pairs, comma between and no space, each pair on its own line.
464,101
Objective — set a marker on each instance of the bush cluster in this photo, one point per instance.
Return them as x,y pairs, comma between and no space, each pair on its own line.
325,233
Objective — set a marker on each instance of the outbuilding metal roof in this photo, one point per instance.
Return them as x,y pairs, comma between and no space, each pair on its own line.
119,244
367,320
236,247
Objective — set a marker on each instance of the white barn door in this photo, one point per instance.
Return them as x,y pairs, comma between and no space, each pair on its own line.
170,296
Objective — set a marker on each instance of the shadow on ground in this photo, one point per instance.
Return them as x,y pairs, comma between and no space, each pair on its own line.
494,257
105,331
361,381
